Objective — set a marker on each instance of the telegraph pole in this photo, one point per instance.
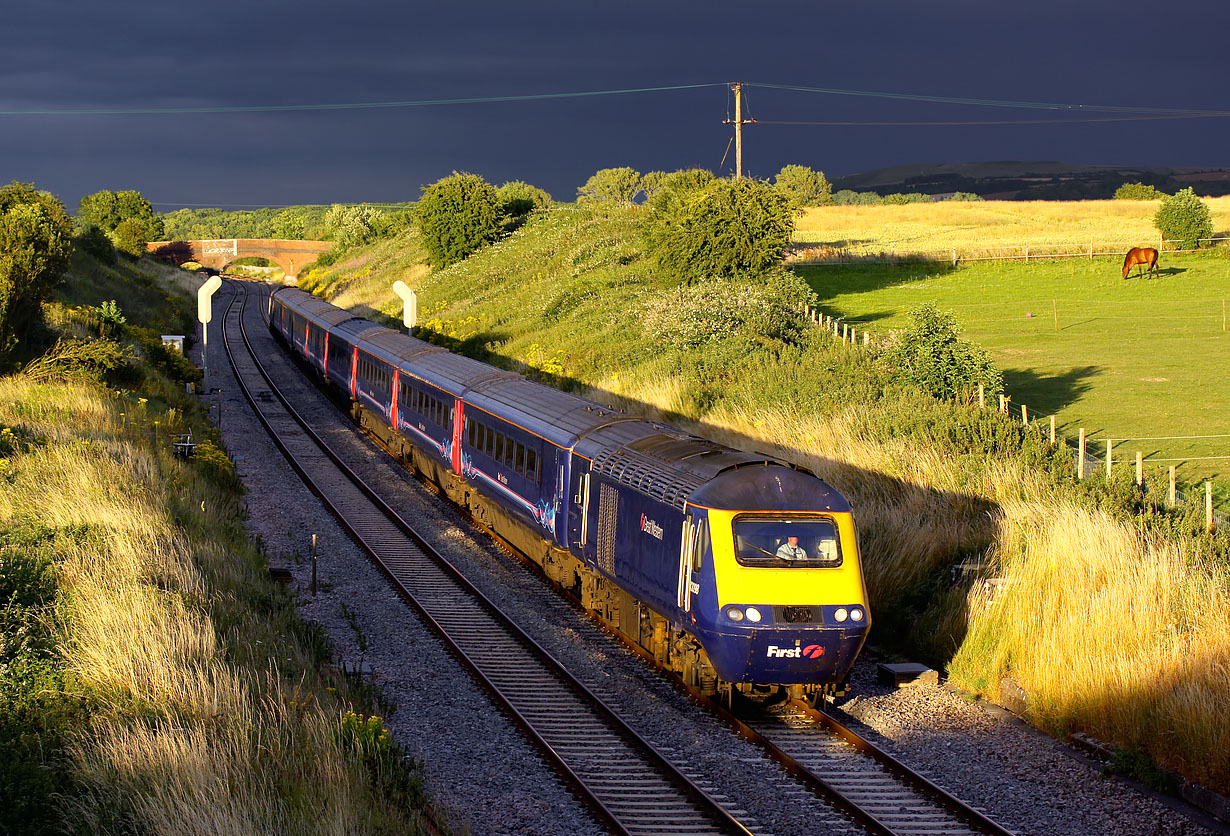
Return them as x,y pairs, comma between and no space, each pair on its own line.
738,122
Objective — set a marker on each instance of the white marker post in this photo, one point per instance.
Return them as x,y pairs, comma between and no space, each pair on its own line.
204,313
410,304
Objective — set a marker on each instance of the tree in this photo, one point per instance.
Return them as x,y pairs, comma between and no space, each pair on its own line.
803,186
724,229
97,243
110,210
1137,191
457,216
846,197
1184,219
963,197
610,186
289,226
35,245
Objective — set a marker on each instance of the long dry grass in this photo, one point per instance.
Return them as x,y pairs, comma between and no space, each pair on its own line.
184,740
1109,632
931,228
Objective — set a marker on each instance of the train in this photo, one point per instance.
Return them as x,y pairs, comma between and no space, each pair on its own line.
738,572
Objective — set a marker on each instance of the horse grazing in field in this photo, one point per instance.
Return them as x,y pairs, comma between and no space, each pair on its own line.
1144,256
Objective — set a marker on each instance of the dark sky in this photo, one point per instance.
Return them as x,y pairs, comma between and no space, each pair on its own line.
64,56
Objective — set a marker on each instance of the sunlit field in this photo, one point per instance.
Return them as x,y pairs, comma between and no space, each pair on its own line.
982,227
1141,359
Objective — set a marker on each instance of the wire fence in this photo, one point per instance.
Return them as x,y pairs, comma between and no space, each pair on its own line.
836,254
1086,461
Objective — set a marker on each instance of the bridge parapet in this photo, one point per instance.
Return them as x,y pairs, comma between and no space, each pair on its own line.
217,253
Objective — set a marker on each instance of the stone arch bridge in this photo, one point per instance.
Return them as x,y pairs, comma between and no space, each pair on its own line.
217,254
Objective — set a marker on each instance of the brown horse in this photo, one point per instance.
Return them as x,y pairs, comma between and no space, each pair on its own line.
1144,256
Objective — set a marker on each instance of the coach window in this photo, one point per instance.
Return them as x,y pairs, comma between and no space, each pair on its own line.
531,463
520,458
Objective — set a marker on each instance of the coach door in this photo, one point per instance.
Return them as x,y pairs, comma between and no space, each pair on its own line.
693,543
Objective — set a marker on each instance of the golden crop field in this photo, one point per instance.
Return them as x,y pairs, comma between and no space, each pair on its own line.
934,228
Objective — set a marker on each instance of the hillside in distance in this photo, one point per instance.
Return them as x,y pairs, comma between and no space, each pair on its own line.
1033,180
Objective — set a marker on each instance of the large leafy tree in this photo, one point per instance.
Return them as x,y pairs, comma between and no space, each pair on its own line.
457,216
1184,219
127,217
720,229
35,246
803,186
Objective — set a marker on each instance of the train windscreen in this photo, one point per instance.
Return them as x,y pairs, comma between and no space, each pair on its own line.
787,542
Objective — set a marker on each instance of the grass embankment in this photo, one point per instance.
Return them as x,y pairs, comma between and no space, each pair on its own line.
152,679
983,227
1137,359
570,298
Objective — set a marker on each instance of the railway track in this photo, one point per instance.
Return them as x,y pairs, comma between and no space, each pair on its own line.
628,784
609,766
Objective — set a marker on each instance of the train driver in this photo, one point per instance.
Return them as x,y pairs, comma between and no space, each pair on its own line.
790,550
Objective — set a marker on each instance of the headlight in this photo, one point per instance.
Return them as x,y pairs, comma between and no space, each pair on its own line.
735,614
856,614
753,615
840,614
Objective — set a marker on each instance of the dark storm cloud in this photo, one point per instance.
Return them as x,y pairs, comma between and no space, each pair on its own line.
140,55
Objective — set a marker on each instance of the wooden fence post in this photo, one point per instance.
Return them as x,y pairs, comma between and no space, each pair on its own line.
1055,312
1110,456
1140,469
954,256
1003,405
1091,248
982,397
1025,415
1052,430
1080,458
866,338
1208,507
1171,491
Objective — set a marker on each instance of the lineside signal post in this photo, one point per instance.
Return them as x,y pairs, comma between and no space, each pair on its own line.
410,304
204,313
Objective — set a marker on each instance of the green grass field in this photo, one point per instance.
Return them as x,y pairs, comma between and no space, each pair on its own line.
1139,359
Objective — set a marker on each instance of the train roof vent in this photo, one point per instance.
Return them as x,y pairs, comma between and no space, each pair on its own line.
646,475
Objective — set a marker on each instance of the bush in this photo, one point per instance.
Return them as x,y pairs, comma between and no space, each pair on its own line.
846,197
1184,219
930,355
1137,191
130,237
457,216
352,226
804,187
611,186
898,198
963,197
519,199
694,315
725,229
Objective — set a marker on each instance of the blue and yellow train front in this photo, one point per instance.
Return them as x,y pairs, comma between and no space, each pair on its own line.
783,601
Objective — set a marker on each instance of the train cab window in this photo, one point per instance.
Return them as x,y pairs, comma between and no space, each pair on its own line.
786,542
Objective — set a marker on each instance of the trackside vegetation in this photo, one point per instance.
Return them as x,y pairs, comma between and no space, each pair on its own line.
152,678
574,298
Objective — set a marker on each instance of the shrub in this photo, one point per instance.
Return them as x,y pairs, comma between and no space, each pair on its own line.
83,360
1137,191
352,226
725,229
930,355
913,197
1184,219
611,186
846,197
518,199
697,314
963,197
457,216
804,187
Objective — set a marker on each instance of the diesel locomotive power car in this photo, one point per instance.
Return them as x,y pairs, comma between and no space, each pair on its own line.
732,569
